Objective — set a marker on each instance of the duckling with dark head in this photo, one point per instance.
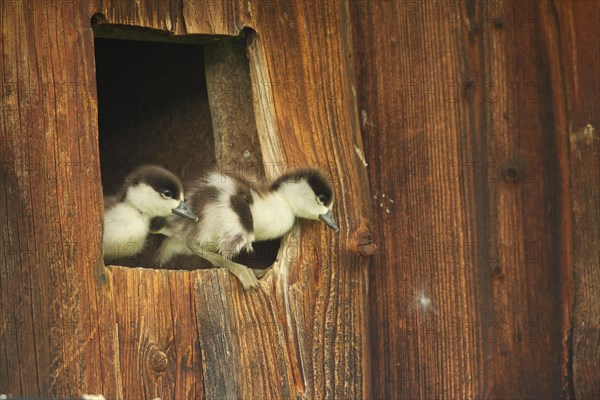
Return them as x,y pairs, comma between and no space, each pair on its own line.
148,192
234,212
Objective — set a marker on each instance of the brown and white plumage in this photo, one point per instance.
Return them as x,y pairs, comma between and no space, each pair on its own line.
233,213
149,191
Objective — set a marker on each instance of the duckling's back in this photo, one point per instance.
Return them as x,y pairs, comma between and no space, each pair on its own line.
222,204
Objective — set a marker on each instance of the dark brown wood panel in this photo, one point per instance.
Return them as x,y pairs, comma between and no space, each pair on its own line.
237,147
462,127
579,32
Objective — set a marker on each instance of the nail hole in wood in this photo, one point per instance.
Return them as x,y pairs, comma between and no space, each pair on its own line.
511,174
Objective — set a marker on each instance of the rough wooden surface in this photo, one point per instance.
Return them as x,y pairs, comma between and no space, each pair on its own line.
72,326
480,126
581,63
51,205
463,110
158,344
237,147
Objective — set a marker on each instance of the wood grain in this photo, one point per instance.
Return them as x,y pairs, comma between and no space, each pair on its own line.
70,325
477,181
463,119
581,62
237,146
51,232
156,318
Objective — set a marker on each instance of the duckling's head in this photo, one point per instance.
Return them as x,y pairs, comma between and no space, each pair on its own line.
156,192
309,194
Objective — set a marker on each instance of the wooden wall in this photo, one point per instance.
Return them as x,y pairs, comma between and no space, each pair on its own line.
478,180
479,122
72,325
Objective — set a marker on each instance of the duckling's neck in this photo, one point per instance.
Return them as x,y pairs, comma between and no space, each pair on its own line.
139,214
273,217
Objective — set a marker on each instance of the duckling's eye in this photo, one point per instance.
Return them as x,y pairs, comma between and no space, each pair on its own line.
167,193
322,198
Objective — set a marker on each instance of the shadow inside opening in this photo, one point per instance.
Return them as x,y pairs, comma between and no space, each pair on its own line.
154,108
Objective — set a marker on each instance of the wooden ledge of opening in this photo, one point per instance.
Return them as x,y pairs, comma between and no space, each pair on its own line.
200,329
105,30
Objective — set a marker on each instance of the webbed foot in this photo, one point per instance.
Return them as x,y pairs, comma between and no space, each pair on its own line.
243,273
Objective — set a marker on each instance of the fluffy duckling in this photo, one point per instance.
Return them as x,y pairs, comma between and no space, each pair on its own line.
234,212
149,191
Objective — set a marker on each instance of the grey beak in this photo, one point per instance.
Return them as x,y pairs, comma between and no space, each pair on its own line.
184,211
329,220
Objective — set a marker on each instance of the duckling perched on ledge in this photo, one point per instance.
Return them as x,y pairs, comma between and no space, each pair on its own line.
234,212
148,192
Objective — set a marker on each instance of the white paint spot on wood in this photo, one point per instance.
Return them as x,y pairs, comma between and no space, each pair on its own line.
585,135
423,302
361,156
385,202
365,119
588,133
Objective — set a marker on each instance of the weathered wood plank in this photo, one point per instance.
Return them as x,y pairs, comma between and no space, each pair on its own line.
105,331
579,30
307,328
49,147
157,337
188,358
585,181
457,105
317,279
246,352
237,147
424,337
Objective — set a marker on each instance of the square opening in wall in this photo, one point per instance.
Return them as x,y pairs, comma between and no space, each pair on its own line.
181,102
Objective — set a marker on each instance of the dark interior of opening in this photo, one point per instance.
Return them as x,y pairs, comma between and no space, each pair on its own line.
154,107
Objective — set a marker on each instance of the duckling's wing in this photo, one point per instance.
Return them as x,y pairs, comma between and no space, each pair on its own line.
157,224
241,234
240,203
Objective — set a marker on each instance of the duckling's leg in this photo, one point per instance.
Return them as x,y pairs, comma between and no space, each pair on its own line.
245,276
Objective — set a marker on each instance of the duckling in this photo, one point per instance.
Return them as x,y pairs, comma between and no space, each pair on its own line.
234,212
148,192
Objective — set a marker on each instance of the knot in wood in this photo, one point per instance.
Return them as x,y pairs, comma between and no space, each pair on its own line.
367,249
365,244
158,360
